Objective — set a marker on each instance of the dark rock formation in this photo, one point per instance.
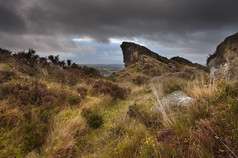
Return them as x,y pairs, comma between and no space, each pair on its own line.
150,63
132,53
139,60
224,62
183,61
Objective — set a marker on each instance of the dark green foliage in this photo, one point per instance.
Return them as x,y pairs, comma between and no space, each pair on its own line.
29,58
34,136
90,72
54,59
5,52
94,120
74,65
69,63
73,99
4,55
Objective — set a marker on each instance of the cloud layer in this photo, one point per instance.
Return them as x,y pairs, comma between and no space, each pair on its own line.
185,27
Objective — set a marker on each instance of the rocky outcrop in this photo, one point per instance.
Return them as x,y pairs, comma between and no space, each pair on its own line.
132,53
183,61
223,64
174,100
140,60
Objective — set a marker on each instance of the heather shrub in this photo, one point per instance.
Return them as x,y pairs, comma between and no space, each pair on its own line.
90,81
139,80
82,91
34,93
90,72
108,87
94,120
6,75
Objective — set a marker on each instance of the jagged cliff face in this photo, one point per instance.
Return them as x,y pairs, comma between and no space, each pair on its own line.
139,59
223,64
133,53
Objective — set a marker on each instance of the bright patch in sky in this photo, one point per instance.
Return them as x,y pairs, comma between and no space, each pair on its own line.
116,40
83,39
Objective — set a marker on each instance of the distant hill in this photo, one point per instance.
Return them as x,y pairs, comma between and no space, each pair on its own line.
107,69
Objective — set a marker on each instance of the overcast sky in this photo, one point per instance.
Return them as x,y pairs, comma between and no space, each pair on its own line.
90,31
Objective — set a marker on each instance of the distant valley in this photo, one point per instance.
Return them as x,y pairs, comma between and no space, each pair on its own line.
107,69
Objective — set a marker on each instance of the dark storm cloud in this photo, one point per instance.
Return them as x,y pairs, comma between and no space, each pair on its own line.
104,18
192,26
10,20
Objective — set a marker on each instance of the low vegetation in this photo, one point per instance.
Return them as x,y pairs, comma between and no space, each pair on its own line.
51,108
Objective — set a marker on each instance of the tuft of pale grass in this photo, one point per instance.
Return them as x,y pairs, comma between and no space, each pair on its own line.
164,110
133,140
64,127
199,89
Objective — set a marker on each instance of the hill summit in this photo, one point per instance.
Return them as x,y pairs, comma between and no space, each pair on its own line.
141,60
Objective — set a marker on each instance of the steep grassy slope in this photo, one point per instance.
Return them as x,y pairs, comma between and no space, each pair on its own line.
48,110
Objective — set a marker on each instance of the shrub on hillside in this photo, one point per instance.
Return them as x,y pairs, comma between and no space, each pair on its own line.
94,120
82,91
74,99
6,75
108,87
29,58
34,136
90,81
33,93
139,80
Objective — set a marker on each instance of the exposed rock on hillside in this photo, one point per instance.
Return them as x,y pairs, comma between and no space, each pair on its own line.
175,99
184,62
224,62
132,53
139,59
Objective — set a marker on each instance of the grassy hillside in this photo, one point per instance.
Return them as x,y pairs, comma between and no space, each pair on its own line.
53,109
